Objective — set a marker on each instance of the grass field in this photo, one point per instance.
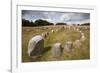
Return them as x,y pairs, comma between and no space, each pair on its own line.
62,35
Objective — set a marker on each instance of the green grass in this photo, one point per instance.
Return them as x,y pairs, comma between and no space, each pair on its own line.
62,36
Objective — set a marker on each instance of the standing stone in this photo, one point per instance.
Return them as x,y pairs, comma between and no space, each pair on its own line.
68,46
64,27
45,35
81,37
77,44
35,46
56,50
69,27
56,30
77,30
52,31
86,27
74,28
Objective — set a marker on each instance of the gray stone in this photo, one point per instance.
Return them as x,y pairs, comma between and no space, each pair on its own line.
56,30
56,50
52,31
69,27
74,28
35,46
82,36
77,44
68,46
45,35
77,30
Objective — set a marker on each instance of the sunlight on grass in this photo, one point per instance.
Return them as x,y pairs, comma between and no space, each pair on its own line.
62,36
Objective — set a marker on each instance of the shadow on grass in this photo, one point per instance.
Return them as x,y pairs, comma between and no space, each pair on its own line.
38,57
46,49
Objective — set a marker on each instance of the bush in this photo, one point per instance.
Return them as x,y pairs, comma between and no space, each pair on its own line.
38,22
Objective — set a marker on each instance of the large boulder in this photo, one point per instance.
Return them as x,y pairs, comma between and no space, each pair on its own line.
35,46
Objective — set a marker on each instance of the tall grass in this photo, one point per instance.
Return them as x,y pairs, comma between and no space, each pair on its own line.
62,36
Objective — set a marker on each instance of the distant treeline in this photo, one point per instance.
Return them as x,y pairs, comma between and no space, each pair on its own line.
36,23
85,24
41,22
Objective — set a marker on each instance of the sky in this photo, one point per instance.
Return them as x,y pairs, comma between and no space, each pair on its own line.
56,17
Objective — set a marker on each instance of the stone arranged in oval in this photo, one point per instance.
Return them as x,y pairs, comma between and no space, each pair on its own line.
68,46
45,35
77,44
35,46
82,37
56,50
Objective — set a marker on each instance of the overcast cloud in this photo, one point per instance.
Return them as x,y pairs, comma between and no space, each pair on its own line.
55,17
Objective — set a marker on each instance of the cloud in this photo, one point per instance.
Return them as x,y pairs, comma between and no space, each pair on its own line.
55,17
74,17
31,15
49,20
52,16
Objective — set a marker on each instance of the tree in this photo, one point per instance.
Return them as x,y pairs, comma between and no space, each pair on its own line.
41,22
38,22
61,24
27,23
86,24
